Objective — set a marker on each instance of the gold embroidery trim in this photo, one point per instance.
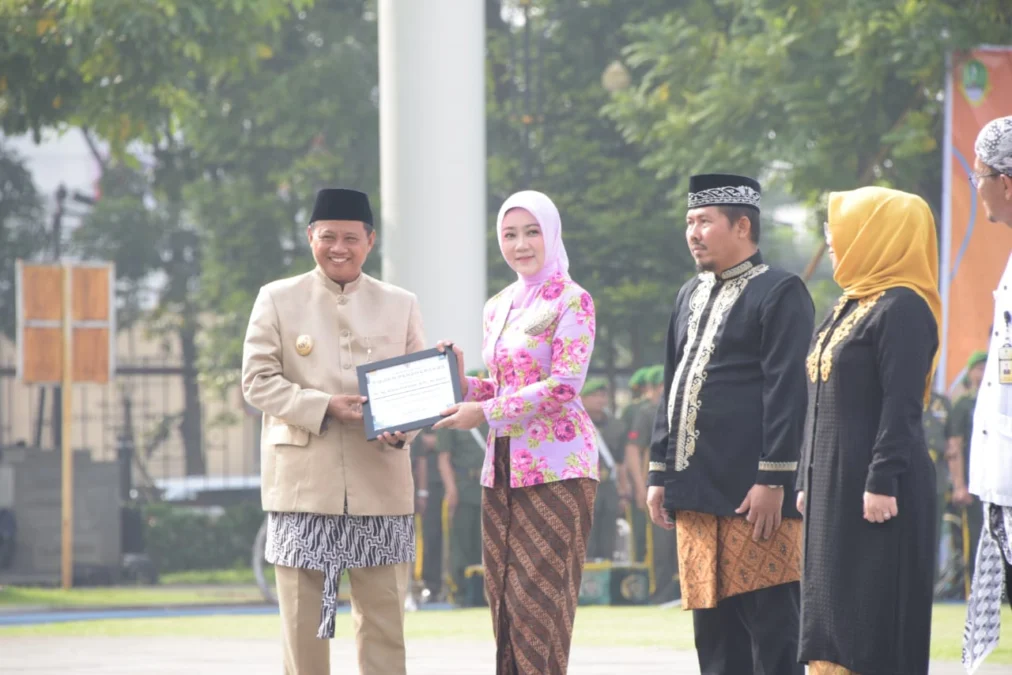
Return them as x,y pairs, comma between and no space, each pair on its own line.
737,270
824,366
728,294
812,362
778,466
697,303
657,466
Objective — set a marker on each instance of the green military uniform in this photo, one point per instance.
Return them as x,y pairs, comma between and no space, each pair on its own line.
467,452
936,434
968,519
636,383
604,531
629,419
431,554
663,547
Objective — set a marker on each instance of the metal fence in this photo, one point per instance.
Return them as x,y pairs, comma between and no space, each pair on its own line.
143,420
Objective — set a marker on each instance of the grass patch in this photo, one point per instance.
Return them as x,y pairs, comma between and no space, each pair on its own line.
12,597
233,577
600,626
947,634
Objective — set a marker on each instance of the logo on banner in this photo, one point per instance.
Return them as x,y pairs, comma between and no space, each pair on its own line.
975,83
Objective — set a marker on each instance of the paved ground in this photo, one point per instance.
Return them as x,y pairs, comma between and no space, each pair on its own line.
197,656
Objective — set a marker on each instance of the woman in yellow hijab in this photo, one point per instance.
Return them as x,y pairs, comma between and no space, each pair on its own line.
867,478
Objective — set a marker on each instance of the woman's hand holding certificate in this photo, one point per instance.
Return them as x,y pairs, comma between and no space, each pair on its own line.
461,416
442,346
407,393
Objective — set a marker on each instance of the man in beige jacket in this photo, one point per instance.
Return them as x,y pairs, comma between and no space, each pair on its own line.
335,500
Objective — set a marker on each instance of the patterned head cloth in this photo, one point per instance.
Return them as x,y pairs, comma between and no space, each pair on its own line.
994,145
723,189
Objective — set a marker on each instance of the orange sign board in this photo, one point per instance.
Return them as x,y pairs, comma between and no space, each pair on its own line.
40,293
974,250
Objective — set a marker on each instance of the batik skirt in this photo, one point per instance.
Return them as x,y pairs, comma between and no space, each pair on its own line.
534,543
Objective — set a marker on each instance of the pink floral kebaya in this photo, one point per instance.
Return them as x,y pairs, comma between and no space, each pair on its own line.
538,340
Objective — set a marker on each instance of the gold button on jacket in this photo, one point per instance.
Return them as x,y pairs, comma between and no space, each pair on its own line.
306,335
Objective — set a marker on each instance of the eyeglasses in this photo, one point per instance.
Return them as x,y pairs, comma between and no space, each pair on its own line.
975,178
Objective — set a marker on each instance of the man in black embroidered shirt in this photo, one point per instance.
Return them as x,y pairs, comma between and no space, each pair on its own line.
728,435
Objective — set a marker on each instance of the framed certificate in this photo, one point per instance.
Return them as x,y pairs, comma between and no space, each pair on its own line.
408,392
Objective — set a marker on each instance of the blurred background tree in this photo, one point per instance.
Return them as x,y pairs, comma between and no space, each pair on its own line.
216,120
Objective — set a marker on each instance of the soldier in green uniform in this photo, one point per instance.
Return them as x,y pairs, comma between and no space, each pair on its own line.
637,386
429,502
936,433
461,454
663,552
967,509
635,465
613,490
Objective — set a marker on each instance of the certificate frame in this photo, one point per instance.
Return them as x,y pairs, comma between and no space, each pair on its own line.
372,431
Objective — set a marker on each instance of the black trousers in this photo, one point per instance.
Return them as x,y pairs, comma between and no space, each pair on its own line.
753,633
665,565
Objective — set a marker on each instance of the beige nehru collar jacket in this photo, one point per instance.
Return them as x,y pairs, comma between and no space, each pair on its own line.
306,334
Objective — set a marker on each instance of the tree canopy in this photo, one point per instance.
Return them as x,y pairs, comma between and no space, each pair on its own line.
820,96
216,121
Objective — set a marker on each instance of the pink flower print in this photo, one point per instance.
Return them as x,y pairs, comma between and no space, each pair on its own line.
578,466
509,376
521,459
586,303
538,430
523,365
532,477
563,392
483,390
579,351
529,468
549,406
558,347
552,289
573,472
522,360
514,406
565,430
533,375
